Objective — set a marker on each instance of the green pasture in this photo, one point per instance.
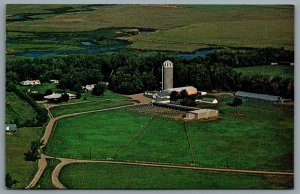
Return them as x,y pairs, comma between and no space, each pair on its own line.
163,141
16,145
114,176
18,111
45,181
87,106
268,70
247,141
95,135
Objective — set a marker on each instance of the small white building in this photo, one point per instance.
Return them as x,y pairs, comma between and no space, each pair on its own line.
54,81
56,96
202,114
30,82
273,64
88,88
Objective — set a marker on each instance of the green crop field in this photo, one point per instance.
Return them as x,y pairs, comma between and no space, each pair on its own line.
267,70
176,28
16,145
18,111
106,176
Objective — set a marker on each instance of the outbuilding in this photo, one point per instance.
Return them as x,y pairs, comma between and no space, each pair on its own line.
257,96
189,89
30,82
202,114
10,127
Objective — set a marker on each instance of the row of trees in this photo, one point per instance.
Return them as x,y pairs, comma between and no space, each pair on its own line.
132,72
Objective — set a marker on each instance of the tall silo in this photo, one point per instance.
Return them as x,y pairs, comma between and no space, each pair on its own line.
167,75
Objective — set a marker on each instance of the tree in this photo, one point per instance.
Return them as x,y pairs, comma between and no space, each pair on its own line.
236,102
65,97
48,92
9,181
99,89
174,96
183,94
32,154
78,94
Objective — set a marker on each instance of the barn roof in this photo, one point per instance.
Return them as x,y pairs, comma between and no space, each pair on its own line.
11,127
258,96
190,90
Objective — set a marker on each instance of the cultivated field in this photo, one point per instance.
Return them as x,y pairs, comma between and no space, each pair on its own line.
16,145
94,176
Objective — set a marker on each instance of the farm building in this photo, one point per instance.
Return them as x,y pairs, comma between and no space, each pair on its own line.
258,96
10,127
54,81
56,96
189,89
208,100
30,82
202,114
88,88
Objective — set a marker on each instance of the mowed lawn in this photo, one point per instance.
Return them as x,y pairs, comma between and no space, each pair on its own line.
256,136
16,145
87,106
18,111
95,135
268,70
114,176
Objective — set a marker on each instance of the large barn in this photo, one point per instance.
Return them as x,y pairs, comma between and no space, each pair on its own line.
265,97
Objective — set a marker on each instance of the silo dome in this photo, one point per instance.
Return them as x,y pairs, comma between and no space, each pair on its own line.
168,64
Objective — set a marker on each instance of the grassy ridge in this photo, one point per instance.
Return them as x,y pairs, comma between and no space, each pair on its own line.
18,110
105,176
273,33
16,145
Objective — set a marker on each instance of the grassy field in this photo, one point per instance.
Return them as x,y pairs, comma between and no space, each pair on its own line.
177,28
267,70
15,146
105,176
18,111
248,141
101,138
87,106
45,182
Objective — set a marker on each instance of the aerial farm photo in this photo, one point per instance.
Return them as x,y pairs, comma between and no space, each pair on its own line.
158,96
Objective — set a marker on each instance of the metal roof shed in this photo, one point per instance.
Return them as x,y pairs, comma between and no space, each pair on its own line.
258,96
10,127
